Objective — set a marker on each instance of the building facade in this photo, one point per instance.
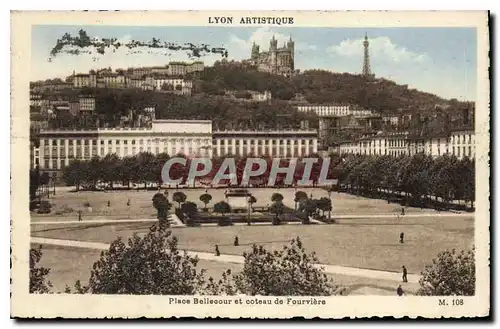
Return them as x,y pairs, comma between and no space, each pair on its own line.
276,143
87,104
334,110
277,60
193,138
459,142
188,137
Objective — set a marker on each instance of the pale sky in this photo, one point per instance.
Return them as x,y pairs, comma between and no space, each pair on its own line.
442,61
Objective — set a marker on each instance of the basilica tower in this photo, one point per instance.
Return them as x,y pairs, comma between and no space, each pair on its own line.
291,47
273,52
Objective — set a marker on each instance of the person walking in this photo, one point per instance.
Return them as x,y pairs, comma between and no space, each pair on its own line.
217,252
405,274
401,237
402,211
236,241
400,291
79,215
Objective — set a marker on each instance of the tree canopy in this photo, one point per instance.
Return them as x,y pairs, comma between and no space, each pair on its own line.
452,273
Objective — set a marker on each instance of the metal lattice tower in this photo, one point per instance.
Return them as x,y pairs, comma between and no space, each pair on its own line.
366,59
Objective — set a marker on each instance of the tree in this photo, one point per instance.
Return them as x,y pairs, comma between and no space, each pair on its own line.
38,275
299,197
277,197
287,272
179,197
110,164
252,200
189,208
451,274
222,207
167,86
162,206
151,265
324,204
205,198
308,207
277,208
34,182
74,173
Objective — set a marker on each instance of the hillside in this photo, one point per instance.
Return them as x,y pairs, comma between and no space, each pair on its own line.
318,86
210,102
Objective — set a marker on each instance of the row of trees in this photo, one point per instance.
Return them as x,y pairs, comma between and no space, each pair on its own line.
146,167
154,265
420,178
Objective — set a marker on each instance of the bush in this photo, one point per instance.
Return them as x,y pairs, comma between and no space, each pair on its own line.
38,275
180,214
224,221
151,265
192,222
287,272
451,274
45,207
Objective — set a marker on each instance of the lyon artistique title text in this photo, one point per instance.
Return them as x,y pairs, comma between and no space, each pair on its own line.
251,20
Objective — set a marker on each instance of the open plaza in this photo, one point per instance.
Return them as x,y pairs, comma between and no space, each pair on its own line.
361,250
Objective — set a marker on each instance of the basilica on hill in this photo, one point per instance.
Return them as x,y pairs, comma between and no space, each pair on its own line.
276,60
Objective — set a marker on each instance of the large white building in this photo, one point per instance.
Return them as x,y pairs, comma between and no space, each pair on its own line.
193,138
459,142
188,137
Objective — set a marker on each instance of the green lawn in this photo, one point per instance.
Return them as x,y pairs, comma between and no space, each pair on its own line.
70,264
66,204
364,243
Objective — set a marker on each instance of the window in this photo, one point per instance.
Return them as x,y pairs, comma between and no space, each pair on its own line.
125,142
133,143
117,142
110,142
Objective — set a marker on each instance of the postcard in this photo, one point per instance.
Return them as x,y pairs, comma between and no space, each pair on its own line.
252,164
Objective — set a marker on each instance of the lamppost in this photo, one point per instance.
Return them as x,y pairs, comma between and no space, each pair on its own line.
249,204
54,175
330,198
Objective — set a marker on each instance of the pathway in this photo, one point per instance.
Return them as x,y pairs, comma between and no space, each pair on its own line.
225,258
178,223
